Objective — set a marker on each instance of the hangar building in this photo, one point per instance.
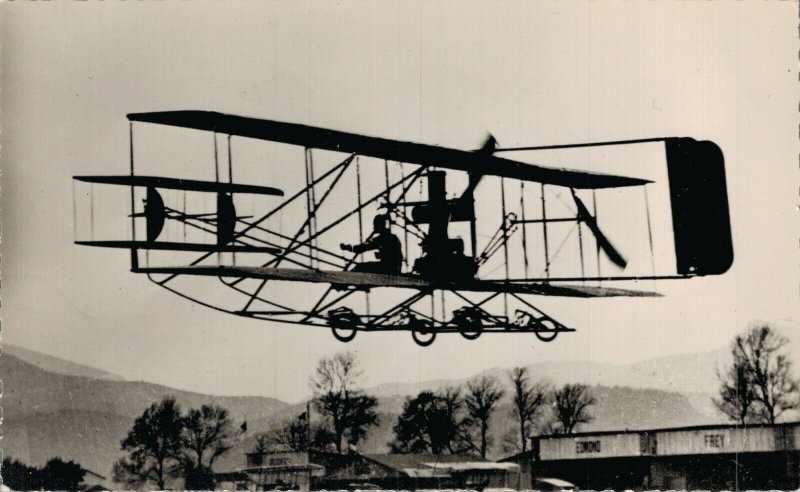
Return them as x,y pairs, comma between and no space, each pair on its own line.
712,457
314,470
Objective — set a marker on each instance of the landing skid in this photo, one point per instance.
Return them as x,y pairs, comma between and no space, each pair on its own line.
470,321
346,324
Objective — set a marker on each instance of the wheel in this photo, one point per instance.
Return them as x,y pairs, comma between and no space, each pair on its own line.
342,334
471,335
423,337
471,330
546,330
343,322
468,323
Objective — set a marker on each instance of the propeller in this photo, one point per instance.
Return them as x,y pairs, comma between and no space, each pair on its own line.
488,148
602,241
489,145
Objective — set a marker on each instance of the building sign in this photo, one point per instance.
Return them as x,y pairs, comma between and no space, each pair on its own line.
723,440
716,441
588,447
277,460
584,447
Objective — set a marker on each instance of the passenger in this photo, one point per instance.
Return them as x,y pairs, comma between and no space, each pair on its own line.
386,246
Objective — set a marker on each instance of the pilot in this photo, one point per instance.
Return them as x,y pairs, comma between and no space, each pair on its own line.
386,246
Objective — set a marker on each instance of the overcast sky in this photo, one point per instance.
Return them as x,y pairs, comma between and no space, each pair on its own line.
437,72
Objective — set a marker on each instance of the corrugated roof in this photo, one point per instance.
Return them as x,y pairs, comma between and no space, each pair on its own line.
424,473
473,465
668,429
414,460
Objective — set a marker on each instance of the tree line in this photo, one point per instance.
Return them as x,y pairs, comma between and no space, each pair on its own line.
453,420
166,443
56,474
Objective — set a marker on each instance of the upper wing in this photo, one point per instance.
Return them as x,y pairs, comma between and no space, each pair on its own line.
369,280
394,150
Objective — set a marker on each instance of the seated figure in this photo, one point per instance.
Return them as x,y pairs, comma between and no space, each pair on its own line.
387,249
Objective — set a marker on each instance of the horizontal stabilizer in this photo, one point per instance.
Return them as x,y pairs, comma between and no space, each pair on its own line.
181,184
176,246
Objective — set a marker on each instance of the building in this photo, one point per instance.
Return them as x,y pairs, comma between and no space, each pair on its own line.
276,470
287,470
712,457
411,472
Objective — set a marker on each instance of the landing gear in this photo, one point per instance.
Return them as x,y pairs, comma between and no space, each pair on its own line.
423,333
468,322
545,328
343,322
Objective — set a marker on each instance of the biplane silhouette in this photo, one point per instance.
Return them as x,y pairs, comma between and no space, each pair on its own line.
446,268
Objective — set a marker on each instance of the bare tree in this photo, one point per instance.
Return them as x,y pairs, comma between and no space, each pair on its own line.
453,404
737,398
208,434
336,396
759,386
153,446
480,401
571,407
427,425
293,434
527,401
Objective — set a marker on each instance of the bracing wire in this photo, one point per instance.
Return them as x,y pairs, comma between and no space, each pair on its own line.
361,219
561,246
91,209
216,158
313,224
505,237
386,176
594,211
216,174
230,180
405,224
358,198
74,214
544,233
524,226
230,161
649,233
184,212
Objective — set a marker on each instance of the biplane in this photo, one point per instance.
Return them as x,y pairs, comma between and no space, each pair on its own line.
441,283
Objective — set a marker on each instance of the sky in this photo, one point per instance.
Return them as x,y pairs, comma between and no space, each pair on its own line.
443,73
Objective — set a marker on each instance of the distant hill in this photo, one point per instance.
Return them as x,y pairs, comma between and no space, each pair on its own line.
682,373
59,408
57,365
83,418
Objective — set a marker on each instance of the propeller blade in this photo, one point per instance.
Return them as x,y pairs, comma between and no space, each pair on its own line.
602,241
489,145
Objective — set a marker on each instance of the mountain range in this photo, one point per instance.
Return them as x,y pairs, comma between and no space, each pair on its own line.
54,407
